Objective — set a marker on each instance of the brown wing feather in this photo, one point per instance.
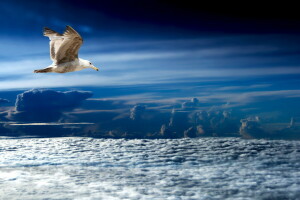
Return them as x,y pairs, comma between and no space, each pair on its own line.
56,40
68,50
49,32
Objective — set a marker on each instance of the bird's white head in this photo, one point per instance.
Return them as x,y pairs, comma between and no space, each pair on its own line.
87,64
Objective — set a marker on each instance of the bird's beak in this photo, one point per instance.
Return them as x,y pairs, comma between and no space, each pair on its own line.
95,68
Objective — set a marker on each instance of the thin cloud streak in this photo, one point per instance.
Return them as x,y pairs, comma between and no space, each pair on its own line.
198,53
152,65
22,67
49,124
255,86
248,97
149,52
136,78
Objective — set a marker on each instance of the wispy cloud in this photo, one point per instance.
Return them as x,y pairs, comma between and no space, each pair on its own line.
22,67
248,97
151,76
198,53
142,63
48,124
255,86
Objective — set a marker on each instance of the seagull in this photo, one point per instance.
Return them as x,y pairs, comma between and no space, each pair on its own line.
64,52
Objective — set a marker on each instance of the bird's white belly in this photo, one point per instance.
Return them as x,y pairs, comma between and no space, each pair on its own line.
67,67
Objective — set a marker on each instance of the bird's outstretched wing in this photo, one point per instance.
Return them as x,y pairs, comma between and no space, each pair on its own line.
56,40
64,48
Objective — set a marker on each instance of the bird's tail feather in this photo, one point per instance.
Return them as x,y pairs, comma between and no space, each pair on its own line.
46,70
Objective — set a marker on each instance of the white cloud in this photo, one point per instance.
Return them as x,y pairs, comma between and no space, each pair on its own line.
22,67
152,76
246,97
48,124
156,65
197,53
255,86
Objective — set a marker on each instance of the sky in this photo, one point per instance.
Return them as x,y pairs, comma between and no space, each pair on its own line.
154,57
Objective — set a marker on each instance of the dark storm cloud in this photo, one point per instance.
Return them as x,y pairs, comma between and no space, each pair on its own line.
37,99
46,105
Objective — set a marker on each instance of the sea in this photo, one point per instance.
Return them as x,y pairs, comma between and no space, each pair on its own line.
136,169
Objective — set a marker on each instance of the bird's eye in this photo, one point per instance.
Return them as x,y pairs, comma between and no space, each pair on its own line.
90,63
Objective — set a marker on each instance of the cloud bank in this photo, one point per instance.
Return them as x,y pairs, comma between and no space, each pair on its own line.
43,105
52,113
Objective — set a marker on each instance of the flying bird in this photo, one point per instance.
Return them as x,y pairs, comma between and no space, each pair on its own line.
64,52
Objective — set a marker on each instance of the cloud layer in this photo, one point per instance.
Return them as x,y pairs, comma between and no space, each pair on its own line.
42,105
52,113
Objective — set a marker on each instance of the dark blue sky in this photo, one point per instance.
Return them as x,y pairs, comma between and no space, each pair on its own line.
153,42
166,51
148,18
